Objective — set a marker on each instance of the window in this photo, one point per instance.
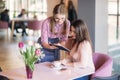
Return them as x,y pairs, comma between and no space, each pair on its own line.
33,7
113,21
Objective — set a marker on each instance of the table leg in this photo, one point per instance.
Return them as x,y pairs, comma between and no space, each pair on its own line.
12,31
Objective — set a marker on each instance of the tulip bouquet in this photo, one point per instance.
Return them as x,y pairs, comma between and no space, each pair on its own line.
31,53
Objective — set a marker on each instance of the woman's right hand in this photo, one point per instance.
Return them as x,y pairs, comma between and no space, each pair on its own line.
53,47
64,61
48,46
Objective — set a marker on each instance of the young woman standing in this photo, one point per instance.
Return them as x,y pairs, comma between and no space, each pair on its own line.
55,30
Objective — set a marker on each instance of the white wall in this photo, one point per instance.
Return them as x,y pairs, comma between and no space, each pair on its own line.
101,29
94,13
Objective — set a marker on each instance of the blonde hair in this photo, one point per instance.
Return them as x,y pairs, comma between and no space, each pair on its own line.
58,9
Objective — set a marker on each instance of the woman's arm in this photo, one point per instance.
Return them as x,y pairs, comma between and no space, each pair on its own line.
48,46
85,52
83,56
44,35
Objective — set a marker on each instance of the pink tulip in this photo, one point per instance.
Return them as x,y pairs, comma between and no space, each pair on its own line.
21,44
37,52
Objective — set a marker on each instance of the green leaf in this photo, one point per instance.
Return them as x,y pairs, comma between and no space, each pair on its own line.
29,57
32,51
27,53
31,66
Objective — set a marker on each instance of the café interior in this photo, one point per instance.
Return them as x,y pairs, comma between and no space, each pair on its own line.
102,18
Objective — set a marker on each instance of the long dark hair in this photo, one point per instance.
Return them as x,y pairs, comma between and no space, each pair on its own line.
81,31
58,9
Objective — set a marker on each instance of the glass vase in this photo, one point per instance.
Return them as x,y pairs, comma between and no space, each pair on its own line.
29,72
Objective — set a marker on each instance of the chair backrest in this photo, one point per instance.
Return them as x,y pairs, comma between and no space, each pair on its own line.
103,65
3,25
35,24
3,77
0,69
113,77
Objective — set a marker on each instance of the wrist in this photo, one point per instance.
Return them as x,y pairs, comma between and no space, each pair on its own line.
51,47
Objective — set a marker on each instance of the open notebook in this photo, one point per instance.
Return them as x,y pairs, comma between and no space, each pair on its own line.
61,47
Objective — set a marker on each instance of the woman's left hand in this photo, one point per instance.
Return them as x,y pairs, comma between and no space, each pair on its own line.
66,62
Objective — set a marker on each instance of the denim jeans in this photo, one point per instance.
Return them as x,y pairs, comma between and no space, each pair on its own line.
84,78
51,54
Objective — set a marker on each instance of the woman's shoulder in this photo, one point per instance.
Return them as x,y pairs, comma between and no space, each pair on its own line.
46,20
85,47
85,43
68,22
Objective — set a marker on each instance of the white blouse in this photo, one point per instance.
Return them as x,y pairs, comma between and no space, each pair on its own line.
82,57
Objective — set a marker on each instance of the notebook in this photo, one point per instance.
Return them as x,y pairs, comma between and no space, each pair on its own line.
61,47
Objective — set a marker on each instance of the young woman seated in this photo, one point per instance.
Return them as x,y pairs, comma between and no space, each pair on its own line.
80,55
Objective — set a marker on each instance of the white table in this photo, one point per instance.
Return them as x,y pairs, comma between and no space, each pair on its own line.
18,19
43,71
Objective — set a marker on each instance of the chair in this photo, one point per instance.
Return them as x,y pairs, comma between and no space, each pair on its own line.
103,65
34,25
4,77
113,77
4,26
0,69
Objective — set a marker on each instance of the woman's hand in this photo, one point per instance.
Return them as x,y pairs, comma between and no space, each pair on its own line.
53,47
67,62
64,61
56,63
